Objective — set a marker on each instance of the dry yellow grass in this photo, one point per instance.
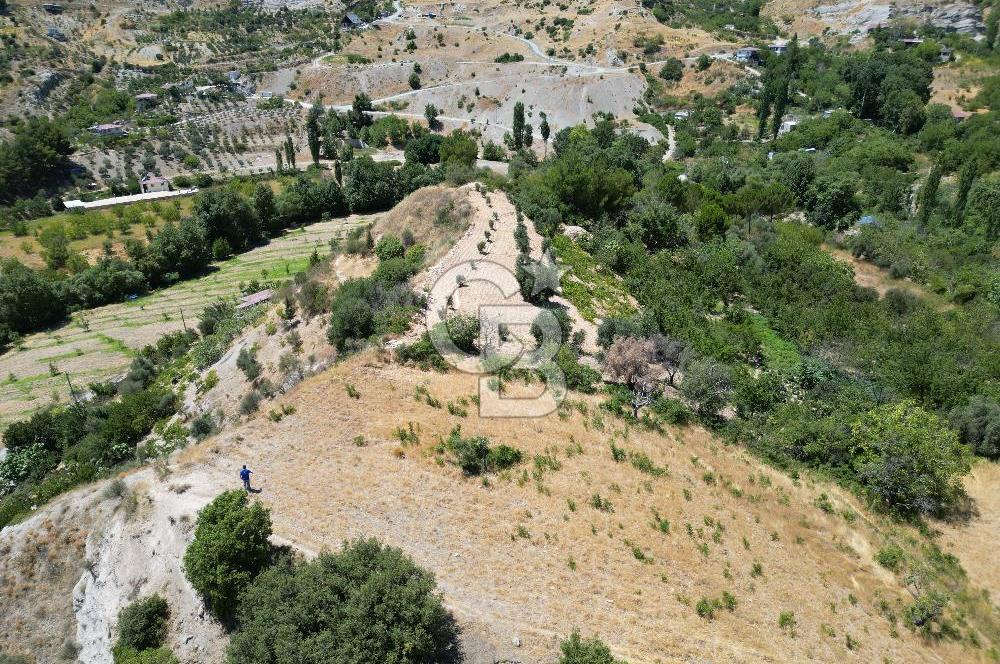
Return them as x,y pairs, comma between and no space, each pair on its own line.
527,554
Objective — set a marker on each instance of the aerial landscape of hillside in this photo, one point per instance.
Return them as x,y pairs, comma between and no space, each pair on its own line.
576,332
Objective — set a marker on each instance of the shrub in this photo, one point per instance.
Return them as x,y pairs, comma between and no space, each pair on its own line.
248,364
786,622
230,548
577,650
250,403
389,246
705,608
143,623
151,656
925,609
502,457
908,459
671,411
475,456
367,604
423,353
890,557
203,426
601,504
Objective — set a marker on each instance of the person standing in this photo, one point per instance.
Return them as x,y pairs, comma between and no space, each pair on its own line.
245,474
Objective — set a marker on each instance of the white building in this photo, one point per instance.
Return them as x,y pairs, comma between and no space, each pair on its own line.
152,183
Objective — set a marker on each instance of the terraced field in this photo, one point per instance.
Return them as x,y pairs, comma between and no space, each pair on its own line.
98,344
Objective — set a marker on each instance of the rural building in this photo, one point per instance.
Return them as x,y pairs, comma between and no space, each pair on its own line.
108,129
682,114
778,46
787,126
52,8
351,20
944,55
56,33
747,54
151,183
911,42
255,298
958,116
145,101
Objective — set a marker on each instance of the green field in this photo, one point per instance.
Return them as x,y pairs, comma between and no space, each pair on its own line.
98,344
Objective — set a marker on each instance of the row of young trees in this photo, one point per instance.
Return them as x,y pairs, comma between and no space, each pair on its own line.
222,222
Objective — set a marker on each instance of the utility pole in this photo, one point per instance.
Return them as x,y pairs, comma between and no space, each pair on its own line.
183,322
72,392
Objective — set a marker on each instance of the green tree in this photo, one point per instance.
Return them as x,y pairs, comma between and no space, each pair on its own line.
577,650
35,158
312,132
982,213
543,130
672,70
289,152
28,301
358,115
227,214
458,148
431,113
55,244
366,604
928,196
834,204
143,624
424,149
966,177
978,425
908,459
371,185
706,385
414,81
262,201
229,550
517,127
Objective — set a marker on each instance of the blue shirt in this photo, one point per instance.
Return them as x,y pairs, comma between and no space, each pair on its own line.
245,474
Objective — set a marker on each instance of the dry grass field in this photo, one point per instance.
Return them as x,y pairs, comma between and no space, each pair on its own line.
527,555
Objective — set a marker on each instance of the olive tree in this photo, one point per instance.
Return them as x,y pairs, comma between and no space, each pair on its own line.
230,548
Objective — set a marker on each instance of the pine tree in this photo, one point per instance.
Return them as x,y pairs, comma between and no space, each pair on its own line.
277,161
338,173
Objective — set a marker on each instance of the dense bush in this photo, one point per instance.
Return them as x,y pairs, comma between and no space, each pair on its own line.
143,623
577,650
475,456
229,549
978,425
376,305
367,603
28,301
907,459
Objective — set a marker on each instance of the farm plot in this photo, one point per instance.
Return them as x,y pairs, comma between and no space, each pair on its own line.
98,344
